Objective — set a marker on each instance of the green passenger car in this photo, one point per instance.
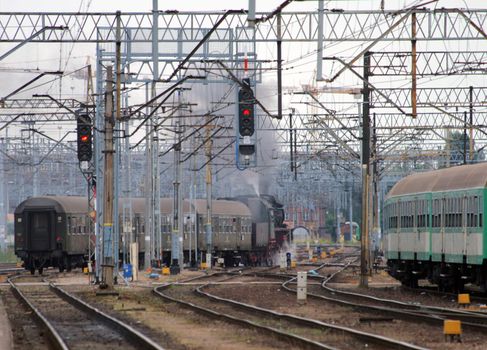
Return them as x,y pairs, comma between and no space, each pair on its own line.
434,227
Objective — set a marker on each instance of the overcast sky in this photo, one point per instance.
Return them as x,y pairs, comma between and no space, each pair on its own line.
213,5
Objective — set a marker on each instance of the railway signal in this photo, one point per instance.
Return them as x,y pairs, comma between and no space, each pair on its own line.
84,136
246,120
246,111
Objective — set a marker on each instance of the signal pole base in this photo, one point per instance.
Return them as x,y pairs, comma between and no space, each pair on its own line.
106,285
175,269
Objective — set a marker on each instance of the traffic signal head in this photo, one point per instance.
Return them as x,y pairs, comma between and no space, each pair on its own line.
84,137
246,112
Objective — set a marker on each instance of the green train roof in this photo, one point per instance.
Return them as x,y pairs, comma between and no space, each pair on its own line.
448,179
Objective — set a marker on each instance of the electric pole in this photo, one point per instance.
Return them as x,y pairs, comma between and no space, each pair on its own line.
108,253
364,241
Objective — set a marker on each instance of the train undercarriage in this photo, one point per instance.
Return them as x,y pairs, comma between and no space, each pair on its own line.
33,261
451,277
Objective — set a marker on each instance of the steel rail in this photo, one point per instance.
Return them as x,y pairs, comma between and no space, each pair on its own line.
4,271
56,340
133,335
464,314
295,339
426,316
364,336
129,333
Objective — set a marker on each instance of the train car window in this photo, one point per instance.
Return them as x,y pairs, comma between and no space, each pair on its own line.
457,213
481,210
433,214
411,214
425,214
389,216
408,214
451,210
402,214
475,211
420,216
470,210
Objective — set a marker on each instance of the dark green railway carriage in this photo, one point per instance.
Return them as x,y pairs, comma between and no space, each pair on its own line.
434,227
51,231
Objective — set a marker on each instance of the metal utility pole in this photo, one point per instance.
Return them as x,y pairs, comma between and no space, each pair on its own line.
177,199
193,206
350,210
464,137
413,65
319,50
152,193
116,160
470,90
175,268
208,228
337,218
364,241
107,253
148,191
3,196
279,66
180,192
373,194
291,148
156,184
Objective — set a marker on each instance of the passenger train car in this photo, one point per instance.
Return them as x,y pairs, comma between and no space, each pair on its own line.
55,231
434,227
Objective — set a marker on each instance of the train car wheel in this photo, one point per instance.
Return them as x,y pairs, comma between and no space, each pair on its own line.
40,270
32,271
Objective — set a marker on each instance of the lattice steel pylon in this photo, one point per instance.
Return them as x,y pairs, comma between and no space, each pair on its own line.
180,31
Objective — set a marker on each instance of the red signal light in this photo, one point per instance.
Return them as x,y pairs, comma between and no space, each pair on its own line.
246,112
84,138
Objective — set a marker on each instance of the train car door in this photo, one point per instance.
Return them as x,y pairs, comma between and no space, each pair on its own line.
40,228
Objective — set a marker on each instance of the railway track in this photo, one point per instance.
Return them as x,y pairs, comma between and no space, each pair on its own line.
409,312
475,296
299,331
6,268
70,323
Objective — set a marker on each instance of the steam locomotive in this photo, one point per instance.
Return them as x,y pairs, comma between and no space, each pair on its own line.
54,231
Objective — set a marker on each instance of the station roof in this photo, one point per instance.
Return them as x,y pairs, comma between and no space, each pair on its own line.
448,179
